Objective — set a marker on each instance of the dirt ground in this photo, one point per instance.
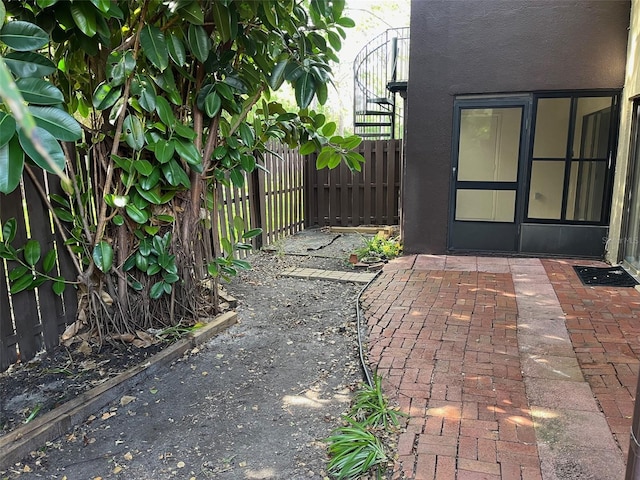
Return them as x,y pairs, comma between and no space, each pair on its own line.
253,403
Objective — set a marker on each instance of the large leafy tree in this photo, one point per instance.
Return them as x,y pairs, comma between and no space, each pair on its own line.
144,109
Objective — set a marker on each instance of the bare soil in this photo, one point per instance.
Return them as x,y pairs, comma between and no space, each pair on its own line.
255,402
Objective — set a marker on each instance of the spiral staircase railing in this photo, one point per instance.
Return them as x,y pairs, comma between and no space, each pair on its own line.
381,71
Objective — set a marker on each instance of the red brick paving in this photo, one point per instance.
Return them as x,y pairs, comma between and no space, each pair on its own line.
604,326
445,343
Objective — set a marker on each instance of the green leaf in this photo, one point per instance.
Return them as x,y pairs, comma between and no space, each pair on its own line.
199,42
184,131
50,145
175,175
57,122
323,159
176,48
157,290
11,165
23,36
165,112
9,230
118,220
150,196
133,132
63,214
346,22
277,75
247,135
29,64
105,96
103,256
143,167
305,89
120,67
49,261
103,5
329,129
322,93
148,99
307,148
137,215
188,152
334,40
254,232
32,252
237,177
18,272
84,16
23,283
192,13
164,150
7,128
212,104
334,160
36,90
3,13
222,18
154,46
58,286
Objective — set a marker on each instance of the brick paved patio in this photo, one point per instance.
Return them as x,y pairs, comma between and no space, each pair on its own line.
508,368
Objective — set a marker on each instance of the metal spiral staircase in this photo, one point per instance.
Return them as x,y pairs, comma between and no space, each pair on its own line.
381,71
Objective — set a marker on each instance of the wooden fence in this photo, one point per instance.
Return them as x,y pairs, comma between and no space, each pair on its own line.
33,320
340,197
283,198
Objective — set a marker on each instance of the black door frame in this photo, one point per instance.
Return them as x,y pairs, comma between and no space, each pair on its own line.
489,236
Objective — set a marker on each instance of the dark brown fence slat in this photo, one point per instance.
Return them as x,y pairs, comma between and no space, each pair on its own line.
69,298
28,328
40,222
345,198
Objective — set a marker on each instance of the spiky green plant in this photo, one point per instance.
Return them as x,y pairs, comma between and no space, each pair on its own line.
354,450
357,447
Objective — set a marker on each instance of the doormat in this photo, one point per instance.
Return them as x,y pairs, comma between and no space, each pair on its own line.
605,276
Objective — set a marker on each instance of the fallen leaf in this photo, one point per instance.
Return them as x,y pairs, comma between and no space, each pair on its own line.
180,465
127,456
85,348
242,464
126,400
117,469
153,390
204,374
26,469
107,415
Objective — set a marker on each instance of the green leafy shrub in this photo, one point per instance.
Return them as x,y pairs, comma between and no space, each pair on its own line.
380,247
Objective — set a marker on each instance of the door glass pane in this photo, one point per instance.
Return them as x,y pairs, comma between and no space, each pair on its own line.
591,135
489,144
552,128
485,205
545,191
586,191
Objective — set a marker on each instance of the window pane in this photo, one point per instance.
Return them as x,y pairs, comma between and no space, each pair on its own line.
486,205
586,190
552,128
591,136
489,144
545,191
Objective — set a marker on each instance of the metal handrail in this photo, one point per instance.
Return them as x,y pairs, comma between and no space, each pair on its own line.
384,60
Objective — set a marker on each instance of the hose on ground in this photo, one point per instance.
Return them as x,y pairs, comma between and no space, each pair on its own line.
363,363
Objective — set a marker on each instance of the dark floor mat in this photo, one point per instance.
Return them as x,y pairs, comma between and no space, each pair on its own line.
605,276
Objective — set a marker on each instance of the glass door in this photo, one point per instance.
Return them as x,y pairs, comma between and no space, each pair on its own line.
489,145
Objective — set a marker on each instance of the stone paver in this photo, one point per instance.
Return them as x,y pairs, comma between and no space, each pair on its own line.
331,275
508,368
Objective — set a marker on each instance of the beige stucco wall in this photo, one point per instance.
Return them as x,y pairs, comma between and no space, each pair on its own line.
631,90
